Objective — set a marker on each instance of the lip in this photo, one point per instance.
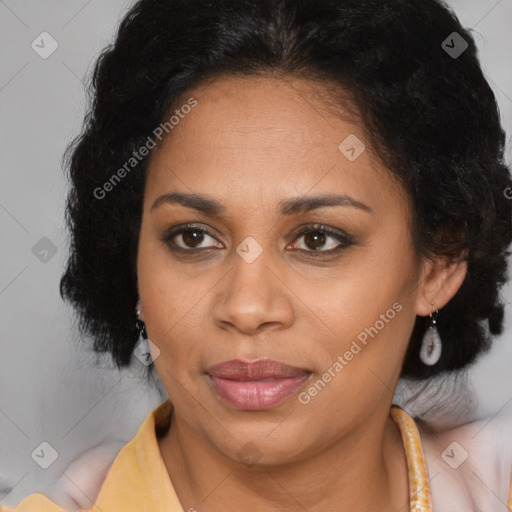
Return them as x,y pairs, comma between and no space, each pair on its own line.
256,385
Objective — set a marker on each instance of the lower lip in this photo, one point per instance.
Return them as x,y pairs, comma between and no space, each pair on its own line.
257,394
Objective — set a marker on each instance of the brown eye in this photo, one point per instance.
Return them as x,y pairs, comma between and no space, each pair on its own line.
315,240
190,238
322,241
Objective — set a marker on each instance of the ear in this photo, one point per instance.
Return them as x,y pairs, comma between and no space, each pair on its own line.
441,279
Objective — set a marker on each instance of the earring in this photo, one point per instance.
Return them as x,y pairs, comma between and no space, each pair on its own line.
431,345
142,350
139,324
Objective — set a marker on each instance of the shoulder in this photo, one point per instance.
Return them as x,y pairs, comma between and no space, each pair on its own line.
81,482
78,486
106,469
469,465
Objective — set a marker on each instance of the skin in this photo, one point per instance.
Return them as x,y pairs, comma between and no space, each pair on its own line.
250,143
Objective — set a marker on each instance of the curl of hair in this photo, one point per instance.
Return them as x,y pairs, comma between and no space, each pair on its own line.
433,120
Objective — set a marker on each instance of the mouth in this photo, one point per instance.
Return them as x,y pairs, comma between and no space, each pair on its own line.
256,385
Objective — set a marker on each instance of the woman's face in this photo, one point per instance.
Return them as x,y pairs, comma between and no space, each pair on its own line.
258,157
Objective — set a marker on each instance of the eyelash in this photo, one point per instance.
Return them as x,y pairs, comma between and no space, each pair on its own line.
344,239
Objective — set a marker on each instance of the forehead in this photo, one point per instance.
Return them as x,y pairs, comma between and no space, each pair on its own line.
247,135
283,112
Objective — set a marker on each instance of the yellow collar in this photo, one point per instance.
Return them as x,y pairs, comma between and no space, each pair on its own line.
419,490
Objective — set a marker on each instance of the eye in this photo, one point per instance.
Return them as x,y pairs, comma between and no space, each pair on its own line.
321,240
190,237
318,240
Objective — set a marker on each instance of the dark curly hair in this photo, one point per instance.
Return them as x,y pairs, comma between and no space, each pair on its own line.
430,114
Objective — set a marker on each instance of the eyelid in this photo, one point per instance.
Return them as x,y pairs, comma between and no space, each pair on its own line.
345,240
178,230
318,226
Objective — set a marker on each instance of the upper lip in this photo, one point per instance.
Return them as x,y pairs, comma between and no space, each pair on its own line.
237,369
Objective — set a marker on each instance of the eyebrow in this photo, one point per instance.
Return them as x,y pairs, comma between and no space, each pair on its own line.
287,207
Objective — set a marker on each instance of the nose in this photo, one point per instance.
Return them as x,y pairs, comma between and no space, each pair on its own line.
253,297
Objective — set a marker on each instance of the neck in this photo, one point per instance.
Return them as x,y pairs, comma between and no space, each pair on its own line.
365,470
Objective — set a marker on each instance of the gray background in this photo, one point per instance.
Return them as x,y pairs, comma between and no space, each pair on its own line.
50,388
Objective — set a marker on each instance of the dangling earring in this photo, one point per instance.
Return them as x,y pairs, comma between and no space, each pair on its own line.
431,345
142,351
145,350
139,324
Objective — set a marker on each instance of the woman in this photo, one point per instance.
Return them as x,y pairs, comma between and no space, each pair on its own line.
296,203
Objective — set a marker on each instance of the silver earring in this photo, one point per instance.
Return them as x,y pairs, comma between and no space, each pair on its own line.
139,324
431,345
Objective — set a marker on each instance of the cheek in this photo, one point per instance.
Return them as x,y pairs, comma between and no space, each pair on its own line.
158,287
369,309
362,290
173,301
